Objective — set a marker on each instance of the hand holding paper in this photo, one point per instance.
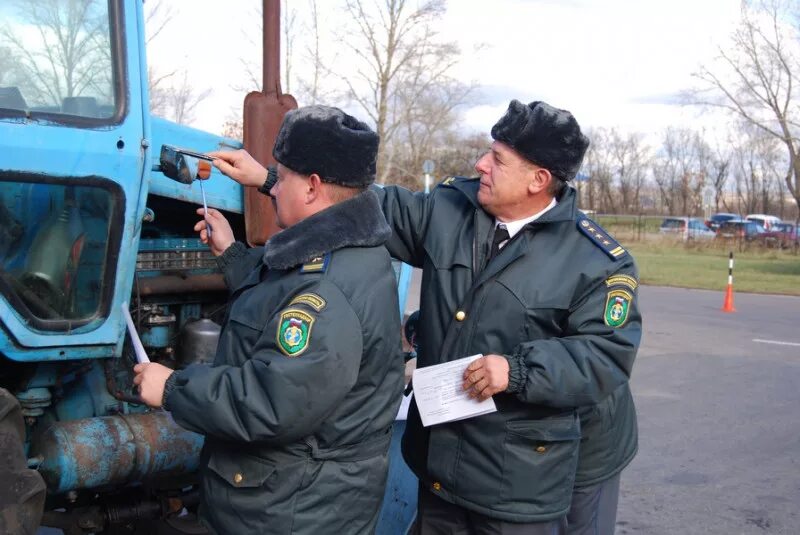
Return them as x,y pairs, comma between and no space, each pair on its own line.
440,396
486,376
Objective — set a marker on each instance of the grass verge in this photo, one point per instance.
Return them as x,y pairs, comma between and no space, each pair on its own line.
706,266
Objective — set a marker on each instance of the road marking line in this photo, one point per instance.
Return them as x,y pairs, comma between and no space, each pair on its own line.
776,342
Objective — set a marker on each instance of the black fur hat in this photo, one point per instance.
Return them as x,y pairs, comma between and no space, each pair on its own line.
547,136
327,141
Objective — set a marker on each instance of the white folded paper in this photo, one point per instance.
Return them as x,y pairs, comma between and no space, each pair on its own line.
440,396
138,348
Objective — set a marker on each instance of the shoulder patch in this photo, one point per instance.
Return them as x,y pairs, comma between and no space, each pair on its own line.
294,332
317,265
601,238
618,304
313,300
622,280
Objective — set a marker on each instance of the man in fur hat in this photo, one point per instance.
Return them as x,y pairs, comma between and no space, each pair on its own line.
515,272
298,406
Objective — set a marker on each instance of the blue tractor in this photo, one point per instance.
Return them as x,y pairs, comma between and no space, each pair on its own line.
89,221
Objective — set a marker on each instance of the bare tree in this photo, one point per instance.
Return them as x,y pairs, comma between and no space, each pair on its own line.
630,158
458,153
680,170
313,88
598,166
288,26
755,78
755,159
157,15
394,47
8,65
70,54
718,173
427,117
183,99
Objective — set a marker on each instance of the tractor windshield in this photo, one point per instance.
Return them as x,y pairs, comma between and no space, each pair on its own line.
57,60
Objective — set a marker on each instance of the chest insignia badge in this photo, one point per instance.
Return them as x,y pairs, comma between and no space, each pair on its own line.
618,304
294,332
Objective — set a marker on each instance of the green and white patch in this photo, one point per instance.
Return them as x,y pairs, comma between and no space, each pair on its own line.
294,332
618,304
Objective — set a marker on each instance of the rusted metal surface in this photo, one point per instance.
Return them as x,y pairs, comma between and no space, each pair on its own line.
114,450
172,284
263,114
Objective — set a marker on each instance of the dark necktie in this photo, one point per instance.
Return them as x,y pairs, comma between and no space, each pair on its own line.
500,236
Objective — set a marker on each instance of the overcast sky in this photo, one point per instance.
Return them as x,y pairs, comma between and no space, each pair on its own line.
613,63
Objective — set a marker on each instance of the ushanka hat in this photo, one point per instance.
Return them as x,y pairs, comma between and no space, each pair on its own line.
327,141
547,136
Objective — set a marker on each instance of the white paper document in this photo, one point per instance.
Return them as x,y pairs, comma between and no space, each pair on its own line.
141,355
440,396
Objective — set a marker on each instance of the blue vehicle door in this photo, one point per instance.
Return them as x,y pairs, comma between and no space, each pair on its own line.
73,134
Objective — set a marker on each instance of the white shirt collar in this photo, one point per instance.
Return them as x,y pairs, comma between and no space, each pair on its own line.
514,227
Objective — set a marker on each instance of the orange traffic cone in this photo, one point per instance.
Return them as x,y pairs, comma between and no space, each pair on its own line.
727,306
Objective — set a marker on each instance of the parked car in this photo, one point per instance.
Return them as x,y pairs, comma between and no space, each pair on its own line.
715,220
782,235
740,230
686,228
766,221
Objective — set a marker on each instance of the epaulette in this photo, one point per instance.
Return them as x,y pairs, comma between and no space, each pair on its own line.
601,238
317,265
449,180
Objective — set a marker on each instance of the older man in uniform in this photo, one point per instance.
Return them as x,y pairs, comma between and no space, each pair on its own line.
513,271
298,406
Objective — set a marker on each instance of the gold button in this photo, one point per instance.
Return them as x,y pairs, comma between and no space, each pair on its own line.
461,315
437,486
541,449
237,478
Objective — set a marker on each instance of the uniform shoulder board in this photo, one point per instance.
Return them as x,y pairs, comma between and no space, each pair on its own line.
601,238
449,181
317,265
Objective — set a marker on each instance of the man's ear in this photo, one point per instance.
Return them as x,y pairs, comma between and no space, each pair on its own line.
313,188
540,180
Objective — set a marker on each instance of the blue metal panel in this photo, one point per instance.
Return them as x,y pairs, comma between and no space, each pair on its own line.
221,191
400,497
403,282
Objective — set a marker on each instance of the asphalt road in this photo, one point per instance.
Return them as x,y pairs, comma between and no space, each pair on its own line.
718,397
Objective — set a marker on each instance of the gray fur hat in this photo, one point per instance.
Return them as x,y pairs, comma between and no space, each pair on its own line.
327,141
547,136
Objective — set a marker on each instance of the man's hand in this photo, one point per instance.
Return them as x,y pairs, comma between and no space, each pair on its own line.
240,166
486,376
150,378
221,233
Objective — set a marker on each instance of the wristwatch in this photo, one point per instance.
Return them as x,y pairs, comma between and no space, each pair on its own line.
272,177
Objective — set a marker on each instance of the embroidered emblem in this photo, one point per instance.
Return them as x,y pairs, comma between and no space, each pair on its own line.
618,303
294,332
316,265
312,300
448,181
622,280
601,238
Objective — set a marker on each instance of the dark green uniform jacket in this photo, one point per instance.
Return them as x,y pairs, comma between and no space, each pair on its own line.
560,303
298,406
